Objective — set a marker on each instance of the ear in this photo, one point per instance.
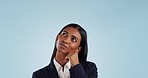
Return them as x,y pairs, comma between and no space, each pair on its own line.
79,49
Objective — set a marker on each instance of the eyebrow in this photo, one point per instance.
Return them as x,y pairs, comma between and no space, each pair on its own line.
72,35
75,37
65,31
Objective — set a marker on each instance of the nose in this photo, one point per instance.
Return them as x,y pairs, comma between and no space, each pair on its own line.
66,40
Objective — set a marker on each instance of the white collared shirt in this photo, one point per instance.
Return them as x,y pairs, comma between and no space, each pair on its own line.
59,68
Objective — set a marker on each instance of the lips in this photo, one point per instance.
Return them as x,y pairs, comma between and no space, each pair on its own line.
63,45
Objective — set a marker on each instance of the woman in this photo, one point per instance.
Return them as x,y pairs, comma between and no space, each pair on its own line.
69,56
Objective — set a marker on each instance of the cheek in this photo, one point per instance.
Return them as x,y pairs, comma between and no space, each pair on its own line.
59,39
73,47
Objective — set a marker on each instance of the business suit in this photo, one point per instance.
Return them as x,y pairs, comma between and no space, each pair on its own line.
83,70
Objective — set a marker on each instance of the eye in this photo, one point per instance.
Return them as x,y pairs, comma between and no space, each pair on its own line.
64,34
73,39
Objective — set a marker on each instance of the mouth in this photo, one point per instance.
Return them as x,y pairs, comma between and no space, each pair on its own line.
63,45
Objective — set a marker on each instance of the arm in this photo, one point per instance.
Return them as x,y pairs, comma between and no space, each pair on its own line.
78,72
84,70
92,70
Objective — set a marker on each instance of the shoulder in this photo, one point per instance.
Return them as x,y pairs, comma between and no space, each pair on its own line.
89,66
40,72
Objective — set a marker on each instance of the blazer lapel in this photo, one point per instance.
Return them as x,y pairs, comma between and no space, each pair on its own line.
52,72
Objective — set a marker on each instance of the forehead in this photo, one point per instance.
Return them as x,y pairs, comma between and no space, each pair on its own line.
72,31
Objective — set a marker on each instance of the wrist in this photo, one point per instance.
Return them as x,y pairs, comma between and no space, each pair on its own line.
74,64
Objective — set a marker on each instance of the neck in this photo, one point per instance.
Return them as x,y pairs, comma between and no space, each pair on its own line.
60,58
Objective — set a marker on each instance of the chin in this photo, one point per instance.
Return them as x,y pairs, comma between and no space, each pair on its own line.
63,52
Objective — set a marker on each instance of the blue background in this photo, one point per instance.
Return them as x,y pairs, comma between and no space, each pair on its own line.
117,35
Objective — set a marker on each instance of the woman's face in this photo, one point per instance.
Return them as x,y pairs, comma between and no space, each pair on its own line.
68,41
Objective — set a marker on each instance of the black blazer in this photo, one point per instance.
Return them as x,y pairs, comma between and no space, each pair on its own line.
83,70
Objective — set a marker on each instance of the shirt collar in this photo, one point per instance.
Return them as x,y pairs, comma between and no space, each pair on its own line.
59,67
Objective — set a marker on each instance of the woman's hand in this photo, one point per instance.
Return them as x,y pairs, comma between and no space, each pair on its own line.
74,60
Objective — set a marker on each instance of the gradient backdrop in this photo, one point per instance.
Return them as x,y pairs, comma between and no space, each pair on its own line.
117,35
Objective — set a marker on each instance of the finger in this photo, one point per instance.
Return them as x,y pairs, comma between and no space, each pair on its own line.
67,58
77,51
